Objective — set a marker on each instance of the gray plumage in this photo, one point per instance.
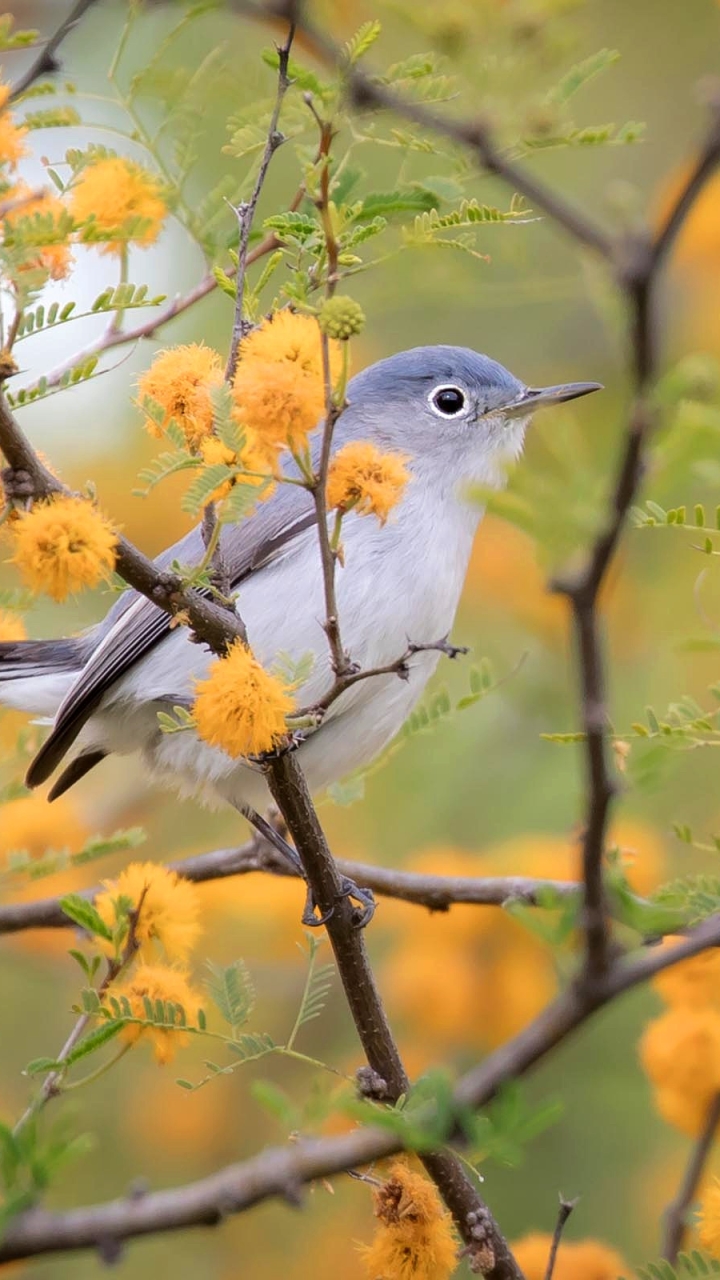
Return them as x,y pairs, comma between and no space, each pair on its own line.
104,689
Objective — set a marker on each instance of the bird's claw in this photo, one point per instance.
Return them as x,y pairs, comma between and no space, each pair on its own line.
363,912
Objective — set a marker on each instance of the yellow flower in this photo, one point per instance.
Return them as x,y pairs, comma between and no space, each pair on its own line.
680,1051
110,196
250,459
279,388
62,545
168,913
12,136
693,982
12,627
583,1260
414,1239
240,707
181,381
157,982
32,824
709,1218
46,249
363,478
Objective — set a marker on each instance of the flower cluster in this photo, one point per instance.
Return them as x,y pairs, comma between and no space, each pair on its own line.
279,385
576,1260
240,707
153,915
181,381
12,626
62,545
364,479
680,1050
12,135
117,202
42,224
414,1239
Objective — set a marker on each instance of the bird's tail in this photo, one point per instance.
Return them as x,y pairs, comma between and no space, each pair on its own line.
35,675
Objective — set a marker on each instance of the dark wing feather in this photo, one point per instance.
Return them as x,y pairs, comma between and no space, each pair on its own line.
134,625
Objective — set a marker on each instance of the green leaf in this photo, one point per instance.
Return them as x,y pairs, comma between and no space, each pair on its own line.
40,1066
581,74
95,1040
83,913
364,39
232,992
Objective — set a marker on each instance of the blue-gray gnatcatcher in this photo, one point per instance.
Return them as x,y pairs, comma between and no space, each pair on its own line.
459,417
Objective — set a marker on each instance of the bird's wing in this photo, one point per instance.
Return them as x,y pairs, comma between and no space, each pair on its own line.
134,625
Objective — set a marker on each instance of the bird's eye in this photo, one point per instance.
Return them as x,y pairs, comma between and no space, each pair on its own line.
448,401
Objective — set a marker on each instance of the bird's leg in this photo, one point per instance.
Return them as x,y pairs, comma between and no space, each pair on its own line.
348,888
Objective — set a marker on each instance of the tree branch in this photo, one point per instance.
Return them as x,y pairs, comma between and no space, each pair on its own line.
676,1213
564,1211
46,62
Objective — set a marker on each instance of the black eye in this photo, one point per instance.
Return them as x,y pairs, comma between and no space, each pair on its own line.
448,401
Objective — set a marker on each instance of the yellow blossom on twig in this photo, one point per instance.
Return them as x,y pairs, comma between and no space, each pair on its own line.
12,136
156,982
12,626
47,247
241,707
120,199
414,1239
62,545
279,388
169,907
680,1051
577,1260
250,459
366,480
709,1218
694,982
181,380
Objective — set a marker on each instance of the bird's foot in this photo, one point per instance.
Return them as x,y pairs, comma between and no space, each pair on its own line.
362,914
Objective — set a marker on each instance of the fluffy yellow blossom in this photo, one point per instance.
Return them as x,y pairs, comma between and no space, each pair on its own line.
365,480
12,627
110,195
169,907
30,823
250,459
581,1260
157,982
62,545
414,1239
279,389
709,1218
181,381
12,136
680,1051
241,707
47,250
694,982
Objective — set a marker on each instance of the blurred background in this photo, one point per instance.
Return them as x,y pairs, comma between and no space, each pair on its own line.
483,791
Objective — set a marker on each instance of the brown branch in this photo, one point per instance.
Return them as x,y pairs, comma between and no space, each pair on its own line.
675,1216
564,1211
400,667
281,1172
436,892
46,62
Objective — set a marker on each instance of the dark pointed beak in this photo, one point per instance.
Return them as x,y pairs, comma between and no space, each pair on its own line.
532,398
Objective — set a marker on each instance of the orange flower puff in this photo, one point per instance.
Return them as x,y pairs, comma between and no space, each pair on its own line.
117,202
279,387
156,982
680,1051
362,478
250,459
709,1218
62,545
414,1239
241,707
694,982
181,381
31,824
43,228
12,136
168,909
581,1260
12,626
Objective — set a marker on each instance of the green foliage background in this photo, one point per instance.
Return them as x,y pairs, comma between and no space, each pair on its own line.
487,774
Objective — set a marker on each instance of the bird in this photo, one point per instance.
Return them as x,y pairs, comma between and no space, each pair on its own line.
460,419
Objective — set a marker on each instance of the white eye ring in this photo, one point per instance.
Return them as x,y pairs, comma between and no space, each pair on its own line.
433,397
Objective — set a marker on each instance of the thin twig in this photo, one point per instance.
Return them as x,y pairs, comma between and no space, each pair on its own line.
675,1216
400,667
46,62
564,1211
245,212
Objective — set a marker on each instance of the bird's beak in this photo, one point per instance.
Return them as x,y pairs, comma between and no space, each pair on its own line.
532,398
